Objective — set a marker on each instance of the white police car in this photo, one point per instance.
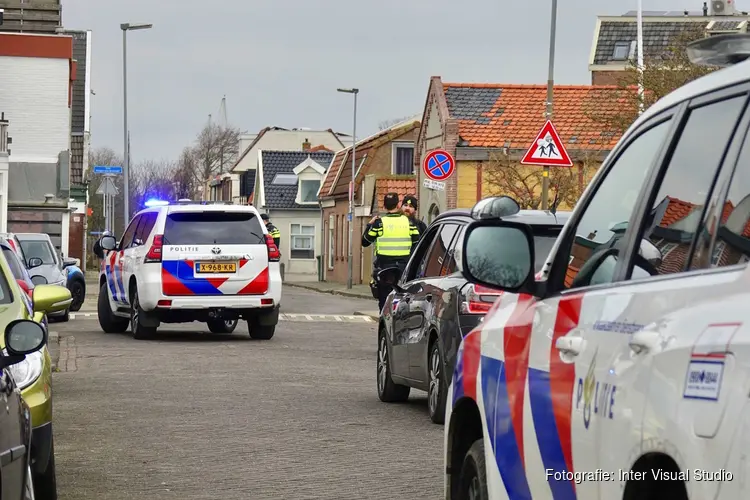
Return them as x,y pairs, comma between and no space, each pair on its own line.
191,261
625,371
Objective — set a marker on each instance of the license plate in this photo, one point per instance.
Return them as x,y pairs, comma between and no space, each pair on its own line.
216,267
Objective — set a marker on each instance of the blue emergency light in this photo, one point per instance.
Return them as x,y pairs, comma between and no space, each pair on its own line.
155,203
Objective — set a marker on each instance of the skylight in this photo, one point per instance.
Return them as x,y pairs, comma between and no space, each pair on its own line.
284,179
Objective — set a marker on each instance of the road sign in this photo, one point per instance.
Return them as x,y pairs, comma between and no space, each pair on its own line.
438,165
107,187
547,149
434,185
108,170
349,217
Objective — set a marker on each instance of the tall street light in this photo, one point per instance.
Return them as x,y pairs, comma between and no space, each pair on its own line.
550,95
125,27
351,186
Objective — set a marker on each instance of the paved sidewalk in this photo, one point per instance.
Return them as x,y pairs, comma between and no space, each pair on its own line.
358,291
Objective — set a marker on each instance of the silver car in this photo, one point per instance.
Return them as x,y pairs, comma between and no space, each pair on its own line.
44,263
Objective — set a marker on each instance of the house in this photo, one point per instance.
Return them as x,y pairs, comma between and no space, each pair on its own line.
242,173
31,16
614,47
384,161
37,73
286,188
481,124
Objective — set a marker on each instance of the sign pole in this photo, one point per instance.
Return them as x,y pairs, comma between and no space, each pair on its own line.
550,87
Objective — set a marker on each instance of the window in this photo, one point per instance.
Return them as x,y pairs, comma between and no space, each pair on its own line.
403,159
127,238
14,264
454,254
308,191
621,51
40,249
5,295
678,207
433,263
331,240
144,228
544,240
303,241
284,179
605,218
413,270
433,213
213,228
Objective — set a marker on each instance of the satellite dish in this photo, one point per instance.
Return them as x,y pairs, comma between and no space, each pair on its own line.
495,207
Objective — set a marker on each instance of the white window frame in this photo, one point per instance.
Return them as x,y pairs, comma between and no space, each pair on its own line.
331,241
622,45
395,146
299,190
293,238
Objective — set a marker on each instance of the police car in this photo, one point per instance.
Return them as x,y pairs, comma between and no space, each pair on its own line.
625,371
191,261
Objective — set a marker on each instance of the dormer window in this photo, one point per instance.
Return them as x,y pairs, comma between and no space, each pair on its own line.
309,175
621,51
308,190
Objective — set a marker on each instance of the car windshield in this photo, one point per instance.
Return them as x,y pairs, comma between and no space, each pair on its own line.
544,240
213,228
39,249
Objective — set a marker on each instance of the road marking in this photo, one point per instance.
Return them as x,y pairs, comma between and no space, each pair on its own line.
354,318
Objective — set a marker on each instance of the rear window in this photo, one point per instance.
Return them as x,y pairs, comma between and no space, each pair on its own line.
544,239
13,263
213,228
38,248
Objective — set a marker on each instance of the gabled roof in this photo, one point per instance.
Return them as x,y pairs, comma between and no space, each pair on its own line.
336,181
495,115
284,162
399,184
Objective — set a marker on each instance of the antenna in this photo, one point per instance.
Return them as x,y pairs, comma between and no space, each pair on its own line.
223,113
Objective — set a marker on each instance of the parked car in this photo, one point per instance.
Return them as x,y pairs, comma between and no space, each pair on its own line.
75,281
433,306
33,374
17,267
42,259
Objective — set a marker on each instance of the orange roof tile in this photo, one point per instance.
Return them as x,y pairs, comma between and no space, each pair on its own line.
501,115
319,147
676,210
394,183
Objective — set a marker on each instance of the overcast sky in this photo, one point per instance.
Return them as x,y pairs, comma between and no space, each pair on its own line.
279,62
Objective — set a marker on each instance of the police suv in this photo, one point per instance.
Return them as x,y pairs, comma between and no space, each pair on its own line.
191,261
624,371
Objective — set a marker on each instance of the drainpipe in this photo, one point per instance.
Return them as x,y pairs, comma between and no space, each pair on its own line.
321,255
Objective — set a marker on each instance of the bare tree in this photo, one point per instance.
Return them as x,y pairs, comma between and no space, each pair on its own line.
386,124
215,150
506,176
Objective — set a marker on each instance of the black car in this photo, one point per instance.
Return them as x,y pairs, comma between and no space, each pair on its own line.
433,307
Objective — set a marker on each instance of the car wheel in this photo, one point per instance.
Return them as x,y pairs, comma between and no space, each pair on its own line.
437,388
260,332
137,329
45,484
78,292
472,482
222,325
388,391
107,320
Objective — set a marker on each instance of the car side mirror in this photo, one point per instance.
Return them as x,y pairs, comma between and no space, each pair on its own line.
23,337
108,242
499,254
68,261
34,262
50,298
391,276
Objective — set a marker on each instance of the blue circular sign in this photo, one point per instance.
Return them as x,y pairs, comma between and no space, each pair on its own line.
439,165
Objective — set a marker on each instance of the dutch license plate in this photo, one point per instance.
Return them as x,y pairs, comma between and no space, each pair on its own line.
216,267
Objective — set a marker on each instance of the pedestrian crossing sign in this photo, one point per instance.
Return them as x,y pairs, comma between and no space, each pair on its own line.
548,149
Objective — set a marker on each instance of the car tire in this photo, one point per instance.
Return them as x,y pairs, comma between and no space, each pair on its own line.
222,325
78,291
137,329
437,389
260,332
472,480
45,484
388,391
107,320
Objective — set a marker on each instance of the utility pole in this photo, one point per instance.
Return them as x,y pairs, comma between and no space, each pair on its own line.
550,92
641,91
350,277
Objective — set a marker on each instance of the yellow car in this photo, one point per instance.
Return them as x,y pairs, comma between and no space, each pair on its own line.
33,375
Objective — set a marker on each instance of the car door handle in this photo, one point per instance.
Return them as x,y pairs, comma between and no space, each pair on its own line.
572,346
644,340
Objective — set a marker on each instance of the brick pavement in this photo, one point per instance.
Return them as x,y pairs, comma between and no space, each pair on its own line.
198,416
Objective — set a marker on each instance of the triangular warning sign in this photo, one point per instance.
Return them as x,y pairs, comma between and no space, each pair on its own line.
547,149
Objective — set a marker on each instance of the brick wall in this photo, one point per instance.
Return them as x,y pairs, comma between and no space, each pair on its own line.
606,77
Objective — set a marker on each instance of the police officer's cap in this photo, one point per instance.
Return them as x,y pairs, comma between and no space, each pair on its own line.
264,216
411,201
390,201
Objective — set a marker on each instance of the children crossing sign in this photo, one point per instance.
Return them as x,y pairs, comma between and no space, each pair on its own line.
547,150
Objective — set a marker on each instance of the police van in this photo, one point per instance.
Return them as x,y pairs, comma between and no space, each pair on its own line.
191,261
624,371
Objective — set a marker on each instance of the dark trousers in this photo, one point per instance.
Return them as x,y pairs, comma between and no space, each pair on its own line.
383,290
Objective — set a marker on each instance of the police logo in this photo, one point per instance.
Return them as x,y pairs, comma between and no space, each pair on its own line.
588,393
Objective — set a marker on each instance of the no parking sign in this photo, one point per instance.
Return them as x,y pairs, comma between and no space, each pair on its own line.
438,166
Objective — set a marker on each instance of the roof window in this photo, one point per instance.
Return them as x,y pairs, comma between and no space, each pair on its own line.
284,180
621,51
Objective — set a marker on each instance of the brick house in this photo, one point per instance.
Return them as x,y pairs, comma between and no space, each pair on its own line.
479,122
614,46
384,163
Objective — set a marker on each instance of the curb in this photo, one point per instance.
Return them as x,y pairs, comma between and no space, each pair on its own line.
53,346
373,316
343,293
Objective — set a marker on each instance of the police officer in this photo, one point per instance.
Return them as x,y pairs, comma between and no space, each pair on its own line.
272,230
409,207
393,235
98,250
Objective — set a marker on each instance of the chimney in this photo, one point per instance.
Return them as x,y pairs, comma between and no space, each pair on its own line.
306,145
705,9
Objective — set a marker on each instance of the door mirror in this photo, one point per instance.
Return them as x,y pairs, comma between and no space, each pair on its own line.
34,262
650,253
495,207
499,254
390,276
51,298
68,261
108,242
38,279
23,336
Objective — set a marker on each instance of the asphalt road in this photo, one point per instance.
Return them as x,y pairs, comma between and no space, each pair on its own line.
192,415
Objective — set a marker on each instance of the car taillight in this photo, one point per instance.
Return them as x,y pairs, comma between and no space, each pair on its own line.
273,251
154,253
479,299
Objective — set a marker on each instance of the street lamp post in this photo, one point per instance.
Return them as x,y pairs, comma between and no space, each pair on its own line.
550,95
351,187
639,42
125,27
